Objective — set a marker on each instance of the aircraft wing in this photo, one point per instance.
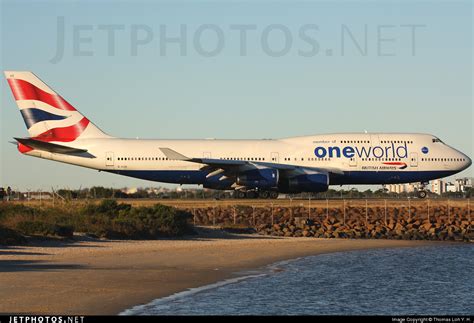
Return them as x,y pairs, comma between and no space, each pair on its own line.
242,165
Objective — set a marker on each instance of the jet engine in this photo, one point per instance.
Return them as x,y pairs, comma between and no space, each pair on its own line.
218,183
306,182
259,178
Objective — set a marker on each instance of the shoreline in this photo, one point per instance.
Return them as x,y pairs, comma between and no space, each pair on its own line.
110,277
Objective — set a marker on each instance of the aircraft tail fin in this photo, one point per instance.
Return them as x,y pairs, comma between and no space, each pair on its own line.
48,116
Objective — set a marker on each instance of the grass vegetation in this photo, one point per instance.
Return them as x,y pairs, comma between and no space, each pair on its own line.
107,219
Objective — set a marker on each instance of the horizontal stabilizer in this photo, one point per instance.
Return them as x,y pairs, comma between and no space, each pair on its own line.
46,146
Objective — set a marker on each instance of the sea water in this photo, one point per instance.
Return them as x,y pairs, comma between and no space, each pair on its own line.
434,280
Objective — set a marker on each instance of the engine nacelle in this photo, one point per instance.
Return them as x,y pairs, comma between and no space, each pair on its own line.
215,183
312,182
259,178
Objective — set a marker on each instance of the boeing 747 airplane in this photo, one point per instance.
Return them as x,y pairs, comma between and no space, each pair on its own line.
59,132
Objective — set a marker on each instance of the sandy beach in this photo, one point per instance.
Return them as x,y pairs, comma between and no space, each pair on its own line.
107,277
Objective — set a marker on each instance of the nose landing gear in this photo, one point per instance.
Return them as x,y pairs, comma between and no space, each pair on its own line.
422,190
422,194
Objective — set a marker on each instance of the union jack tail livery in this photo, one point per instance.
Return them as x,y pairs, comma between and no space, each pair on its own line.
48,117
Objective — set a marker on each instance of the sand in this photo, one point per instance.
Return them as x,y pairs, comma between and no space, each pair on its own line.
106,277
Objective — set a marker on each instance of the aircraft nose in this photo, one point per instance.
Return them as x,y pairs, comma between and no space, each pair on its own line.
468,161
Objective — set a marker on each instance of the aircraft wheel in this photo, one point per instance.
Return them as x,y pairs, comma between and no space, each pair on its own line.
264,194
421,194
240,194
274,194
251,194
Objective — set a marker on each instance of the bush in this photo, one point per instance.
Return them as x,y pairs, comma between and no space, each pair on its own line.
9,209
107,219
44,229
109,207
151,222
10,237
118,221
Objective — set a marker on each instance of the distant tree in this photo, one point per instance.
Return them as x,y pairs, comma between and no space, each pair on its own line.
453,195
68,194
469,192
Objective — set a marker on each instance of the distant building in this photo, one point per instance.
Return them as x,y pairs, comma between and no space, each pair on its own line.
403,188
438,186
39,195
462,184
395,188
451,187
412,187
152,190
129,190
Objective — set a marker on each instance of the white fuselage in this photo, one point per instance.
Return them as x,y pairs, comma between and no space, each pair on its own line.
358,158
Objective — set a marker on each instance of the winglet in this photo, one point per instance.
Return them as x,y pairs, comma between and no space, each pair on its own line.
173,155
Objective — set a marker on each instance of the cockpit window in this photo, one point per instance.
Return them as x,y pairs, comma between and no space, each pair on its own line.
437,140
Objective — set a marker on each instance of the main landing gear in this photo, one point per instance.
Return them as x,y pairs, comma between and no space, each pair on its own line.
256,194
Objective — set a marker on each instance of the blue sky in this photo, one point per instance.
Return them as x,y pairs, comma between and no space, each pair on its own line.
353,70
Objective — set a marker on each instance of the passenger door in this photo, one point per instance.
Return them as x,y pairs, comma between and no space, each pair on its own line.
109,159
353,161
274,158
374,140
